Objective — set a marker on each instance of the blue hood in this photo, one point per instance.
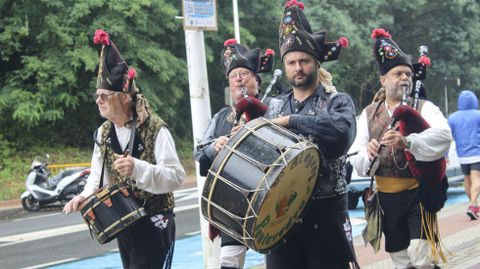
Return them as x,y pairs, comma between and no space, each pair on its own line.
467,100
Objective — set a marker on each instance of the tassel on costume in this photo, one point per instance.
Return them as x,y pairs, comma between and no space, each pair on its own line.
432,232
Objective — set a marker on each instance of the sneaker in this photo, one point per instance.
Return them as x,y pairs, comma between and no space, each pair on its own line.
473,211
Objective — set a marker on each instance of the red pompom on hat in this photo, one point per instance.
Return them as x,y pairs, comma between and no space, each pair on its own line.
101,37
424,60
132,73
269,52
229,42
300,5
380,32
343,42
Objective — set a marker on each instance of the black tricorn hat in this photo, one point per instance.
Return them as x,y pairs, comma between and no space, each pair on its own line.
387,53
237,55
113,72
295,34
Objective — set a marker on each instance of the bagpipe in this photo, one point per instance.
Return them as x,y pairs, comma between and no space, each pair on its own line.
430,174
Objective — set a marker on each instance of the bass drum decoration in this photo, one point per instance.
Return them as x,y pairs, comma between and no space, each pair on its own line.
259,184
110,211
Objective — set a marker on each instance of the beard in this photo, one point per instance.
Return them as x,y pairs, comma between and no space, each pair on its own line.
309,80
397,93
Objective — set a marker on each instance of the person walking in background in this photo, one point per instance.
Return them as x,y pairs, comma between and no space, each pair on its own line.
465,125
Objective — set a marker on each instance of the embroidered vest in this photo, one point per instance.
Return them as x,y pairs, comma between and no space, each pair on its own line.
378,121
143,149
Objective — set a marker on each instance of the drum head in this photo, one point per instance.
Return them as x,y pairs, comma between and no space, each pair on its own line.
286,200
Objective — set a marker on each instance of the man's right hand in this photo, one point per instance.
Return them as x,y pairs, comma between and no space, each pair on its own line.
372,149
74,204
220,142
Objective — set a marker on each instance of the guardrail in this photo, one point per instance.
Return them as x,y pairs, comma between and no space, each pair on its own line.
55,168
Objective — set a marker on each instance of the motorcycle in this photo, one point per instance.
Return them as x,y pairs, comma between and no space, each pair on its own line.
43,189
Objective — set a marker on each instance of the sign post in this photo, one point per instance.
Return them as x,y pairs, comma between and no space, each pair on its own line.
199,16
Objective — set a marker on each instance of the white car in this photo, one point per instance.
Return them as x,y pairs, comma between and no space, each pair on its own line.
358,184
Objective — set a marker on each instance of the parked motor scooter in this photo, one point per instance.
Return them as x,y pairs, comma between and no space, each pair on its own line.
43,189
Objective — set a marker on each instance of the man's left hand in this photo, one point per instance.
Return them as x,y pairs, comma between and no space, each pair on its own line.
283,121
124,165
395,139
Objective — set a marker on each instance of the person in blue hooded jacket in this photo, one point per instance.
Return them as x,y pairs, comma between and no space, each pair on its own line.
465,125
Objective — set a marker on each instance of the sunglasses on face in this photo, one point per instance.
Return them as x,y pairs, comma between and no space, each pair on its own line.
102,95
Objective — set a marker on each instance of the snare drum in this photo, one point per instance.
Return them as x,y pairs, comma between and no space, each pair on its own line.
109,211
259,184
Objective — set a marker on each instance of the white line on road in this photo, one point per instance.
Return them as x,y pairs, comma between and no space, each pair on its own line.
51,263
36,217
26,237
184,208
31,236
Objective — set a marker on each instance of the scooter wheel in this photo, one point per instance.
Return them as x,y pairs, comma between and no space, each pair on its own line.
31,204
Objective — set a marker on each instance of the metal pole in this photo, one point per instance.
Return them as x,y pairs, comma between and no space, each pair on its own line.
201,115
446,100
236,23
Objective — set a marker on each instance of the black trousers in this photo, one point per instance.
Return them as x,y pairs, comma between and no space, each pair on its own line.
323,241
402,219
149,243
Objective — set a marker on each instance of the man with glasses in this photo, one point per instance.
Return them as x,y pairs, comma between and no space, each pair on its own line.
241,66
133,146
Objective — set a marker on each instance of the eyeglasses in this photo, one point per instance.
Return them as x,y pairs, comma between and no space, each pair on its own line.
241,74
102,95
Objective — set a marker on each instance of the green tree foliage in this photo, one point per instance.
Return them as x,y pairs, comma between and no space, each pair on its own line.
48,63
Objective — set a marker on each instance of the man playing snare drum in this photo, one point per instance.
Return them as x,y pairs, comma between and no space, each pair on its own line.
323,238
241,66
149,165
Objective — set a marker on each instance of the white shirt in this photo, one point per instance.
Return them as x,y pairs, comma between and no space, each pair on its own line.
429,145
165,176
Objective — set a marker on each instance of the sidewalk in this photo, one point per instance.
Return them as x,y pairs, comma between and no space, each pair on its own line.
460,236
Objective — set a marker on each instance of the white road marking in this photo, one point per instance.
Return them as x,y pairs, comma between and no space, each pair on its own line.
31,236
51,263
26,237
184,208
190,196
36,217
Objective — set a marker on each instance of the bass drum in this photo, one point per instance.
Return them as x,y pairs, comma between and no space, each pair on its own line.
259,184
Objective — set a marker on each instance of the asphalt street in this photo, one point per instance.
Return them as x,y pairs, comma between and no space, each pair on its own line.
34,240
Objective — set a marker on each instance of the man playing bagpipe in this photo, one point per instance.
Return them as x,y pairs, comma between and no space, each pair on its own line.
409,146
241,66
